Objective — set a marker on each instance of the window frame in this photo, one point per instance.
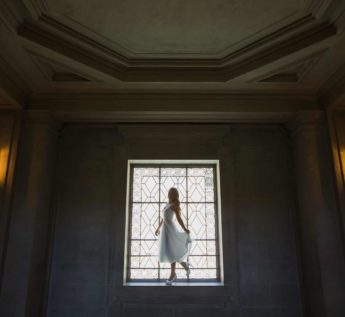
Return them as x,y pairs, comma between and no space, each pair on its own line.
131,164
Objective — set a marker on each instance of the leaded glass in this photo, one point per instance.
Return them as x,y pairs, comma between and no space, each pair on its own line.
149,194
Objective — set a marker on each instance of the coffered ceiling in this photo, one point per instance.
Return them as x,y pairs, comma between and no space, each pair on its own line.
180,29
225,47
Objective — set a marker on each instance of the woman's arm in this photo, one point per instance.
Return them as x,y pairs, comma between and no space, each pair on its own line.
159,227
179,219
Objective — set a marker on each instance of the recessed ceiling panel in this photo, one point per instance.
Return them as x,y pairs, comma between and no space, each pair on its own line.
202,27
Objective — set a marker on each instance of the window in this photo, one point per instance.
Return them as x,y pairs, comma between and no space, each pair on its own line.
148,186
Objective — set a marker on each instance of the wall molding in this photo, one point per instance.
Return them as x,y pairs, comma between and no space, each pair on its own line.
179,103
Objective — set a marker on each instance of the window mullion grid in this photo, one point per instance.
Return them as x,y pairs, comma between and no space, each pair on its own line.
159,214
187,217
187,208
205,220
129,253
141,209
215,195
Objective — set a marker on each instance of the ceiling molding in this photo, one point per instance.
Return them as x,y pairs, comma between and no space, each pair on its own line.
47,54
291,119
292,73
282,77
218,70
172,116
57,72
36,7
318,8
68,77
181,102
313,11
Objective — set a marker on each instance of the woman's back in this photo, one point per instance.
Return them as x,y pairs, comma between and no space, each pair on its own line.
169,216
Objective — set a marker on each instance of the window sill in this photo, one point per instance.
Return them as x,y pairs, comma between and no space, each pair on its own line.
152,291
145,284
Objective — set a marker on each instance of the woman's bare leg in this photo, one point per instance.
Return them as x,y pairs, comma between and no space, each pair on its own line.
184,264
173,270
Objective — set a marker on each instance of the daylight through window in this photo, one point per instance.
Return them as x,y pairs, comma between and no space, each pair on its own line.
149,186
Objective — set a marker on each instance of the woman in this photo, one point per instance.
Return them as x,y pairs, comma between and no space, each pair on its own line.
174,245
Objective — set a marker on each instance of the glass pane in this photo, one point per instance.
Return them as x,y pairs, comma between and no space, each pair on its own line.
150,187
173,177
197,220
145,184
204,274
143,274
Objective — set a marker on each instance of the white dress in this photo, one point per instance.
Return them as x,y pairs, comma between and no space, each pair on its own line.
174,245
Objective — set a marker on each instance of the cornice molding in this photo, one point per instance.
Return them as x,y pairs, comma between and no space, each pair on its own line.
172,116
246,101
191,107
55,36
175,107
301,68
47,68
293,72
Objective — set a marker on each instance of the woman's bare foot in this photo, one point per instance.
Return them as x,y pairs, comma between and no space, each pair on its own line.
171,279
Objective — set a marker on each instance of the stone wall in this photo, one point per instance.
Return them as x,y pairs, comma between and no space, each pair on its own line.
259,238
281,229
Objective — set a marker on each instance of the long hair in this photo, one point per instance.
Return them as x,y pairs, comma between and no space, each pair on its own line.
175,198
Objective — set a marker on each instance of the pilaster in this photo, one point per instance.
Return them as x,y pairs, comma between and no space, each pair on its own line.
25,270
322,260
